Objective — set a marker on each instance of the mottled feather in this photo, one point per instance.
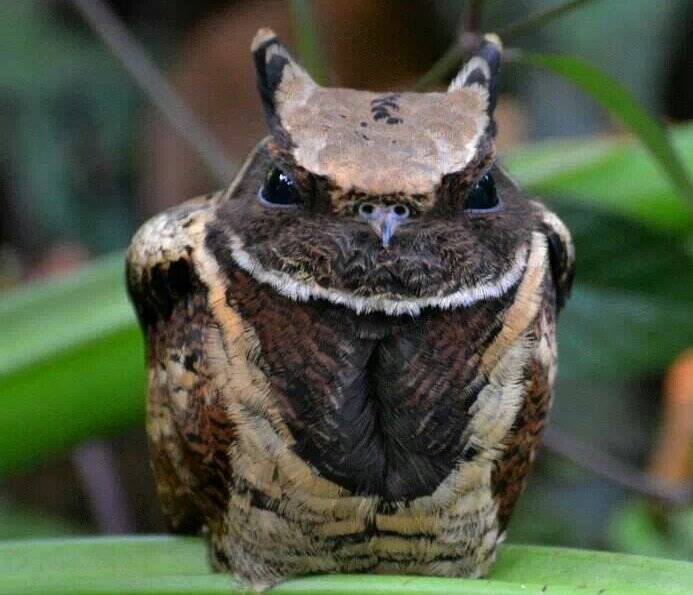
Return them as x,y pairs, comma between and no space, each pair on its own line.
323,401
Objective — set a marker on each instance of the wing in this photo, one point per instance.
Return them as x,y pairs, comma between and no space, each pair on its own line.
188,429
559,241
509,476
510,473
561,253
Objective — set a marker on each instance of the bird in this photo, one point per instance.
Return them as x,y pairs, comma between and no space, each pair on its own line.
351,349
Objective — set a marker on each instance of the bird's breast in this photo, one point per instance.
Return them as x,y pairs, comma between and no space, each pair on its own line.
376,404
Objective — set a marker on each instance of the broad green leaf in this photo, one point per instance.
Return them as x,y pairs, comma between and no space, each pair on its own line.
630,310
609,175
71,364
620,103
607,334
640,528
618,254
178,565
46,318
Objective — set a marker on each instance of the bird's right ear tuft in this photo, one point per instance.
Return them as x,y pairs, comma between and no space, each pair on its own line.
482,70
262,37
280,79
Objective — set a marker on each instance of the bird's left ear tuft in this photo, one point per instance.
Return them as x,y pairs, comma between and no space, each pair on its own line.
279,77
482,70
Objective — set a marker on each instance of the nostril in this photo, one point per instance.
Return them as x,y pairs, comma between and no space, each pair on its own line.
401,211
366,209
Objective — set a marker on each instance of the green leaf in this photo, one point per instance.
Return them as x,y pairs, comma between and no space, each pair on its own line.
630,311
178,565
614,334
308,40
46,318
610,175
620,255
640,528
72,366
620,103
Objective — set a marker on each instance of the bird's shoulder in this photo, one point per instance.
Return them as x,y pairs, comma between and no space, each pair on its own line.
165,256
170,278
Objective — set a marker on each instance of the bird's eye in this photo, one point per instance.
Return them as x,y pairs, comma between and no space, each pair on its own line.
483,197
279,190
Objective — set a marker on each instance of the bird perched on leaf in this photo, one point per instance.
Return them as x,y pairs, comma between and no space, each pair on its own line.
351,349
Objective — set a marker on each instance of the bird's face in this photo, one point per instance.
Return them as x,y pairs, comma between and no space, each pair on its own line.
379,201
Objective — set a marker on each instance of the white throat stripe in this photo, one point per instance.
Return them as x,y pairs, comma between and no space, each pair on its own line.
304,291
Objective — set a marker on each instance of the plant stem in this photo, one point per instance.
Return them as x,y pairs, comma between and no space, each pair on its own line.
440,69
474,17
540,18
614,470
152,82
453,56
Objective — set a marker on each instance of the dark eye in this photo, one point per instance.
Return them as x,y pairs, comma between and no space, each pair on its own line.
483,196
279,190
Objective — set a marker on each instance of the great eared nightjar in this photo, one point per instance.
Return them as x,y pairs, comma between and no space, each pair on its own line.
351,349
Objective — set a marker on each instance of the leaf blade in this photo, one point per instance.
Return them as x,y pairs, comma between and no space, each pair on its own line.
43,318
621,104
73,366
611,175
178,565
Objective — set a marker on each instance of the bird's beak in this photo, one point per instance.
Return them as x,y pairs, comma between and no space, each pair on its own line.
385,226
384,221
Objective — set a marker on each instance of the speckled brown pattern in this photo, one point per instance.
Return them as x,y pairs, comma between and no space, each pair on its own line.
188,427
510,473
359,392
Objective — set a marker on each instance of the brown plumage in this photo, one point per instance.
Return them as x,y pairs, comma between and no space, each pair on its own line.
351,349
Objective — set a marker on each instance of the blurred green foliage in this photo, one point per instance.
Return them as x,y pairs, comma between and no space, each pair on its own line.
308,37
67,110
73,366
621,104
640,528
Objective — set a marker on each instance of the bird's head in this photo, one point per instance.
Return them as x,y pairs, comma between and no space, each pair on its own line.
379,201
